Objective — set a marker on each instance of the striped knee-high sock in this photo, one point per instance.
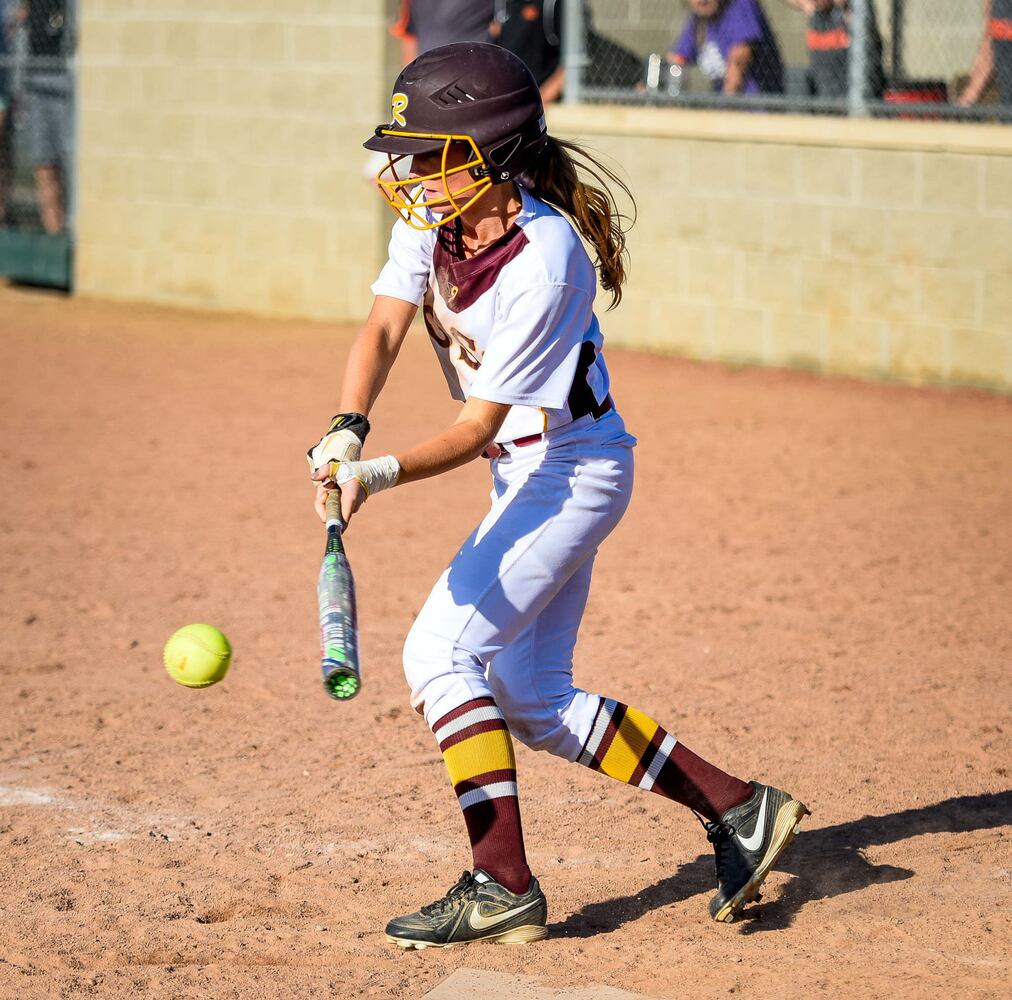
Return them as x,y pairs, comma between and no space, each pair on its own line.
478,751
628,745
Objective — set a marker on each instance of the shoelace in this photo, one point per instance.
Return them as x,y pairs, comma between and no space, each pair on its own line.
719,834
465,886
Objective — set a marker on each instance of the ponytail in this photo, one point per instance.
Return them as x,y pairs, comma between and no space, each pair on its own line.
555,178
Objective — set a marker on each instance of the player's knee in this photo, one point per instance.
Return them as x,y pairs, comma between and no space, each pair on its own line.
550,735
420,661
441,673
545,727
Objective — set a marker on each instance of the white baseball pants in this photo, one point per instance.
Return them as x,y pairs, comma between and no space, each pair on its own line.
502,620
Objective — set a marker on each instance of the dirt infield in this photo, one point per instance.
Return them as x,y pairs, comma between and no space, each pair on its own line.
813,586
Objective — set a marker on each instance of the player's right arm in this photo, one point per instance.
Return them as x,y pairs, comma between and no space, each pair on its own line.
374,352
371,357
399,290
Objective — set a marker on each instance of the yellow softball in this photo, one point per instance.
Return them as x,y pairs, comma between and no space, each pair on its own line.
197,656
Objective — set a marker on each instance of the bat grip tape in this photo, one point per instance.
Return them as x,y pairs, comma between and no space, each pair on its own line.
334,508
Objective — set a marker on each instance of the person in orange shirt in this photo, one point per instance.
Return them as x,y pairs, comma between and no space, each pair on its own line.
829,38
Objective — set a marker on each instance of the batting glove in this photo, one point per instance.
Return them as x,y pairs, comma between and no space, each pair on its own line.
375,475
342,442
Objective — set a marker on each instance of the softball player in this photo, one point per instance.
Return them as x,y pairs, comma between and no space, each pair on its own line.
488,245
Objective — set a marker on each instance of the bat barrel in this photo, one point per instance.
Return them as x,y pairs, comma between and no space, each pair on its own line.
338,626
339,681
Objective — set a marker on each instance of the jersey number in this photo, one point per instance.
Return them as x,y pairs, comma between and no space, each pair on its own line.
468,348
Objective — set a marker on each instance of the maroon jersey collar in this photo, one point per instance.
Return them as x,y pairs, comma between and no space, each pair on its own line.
462,281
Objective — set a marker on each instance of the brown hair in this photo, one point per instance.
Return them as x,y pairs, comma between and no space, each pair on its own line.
555,178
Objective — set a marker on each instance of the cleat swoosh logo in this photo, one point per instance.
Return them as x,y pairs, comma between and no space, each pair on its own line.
752,843
479,922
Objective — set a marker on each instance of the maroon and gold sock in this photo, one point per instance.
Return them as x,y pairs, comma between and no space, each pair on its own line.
628,745
478,751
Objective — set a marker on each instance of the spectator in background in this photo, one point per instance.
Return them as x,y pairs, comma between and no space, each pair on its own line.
829,33
6,111
532,29
994,57
424,24
733,45
48,93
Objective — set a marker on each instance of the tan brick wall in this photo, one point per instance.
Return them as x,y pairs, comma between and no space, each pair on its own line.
859,248
219,153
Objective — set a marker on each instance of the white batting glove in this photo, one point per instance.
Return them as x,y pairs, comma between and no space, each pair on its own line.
375,475
342,442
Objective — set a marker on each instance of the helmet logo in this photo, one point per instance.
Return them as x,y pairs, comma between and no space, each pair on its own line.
398,105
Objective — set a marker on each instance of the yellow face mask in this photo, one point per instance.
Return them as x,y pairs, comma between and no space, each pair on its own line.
405,195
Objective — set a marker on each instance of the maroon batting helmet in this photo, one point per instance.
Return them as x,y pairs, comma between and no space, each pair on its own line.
476,94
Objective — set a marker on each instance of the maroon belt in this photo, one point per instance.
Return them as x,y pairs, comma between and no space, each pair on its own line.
522,442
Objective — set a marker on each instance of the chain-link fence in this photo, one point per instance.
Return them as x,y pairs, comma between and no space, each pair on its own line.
37,45
906,58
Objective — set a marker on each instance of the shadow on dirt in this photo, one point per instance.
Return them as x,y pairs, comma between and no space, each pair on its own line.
828,862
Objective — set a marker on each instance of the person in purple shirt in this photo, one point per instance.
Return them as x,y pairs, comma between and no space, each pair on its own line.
733,45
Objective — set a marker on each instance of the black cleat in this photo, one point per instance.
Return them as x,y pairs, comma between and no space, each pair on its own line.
477,908
747,841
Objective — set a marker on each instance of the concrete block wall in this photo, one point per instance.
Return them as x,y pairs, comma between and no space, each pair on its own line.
854,247
220,161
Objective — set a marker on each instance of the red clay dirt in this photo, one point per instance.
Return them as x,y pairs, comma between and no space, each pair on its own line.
813,586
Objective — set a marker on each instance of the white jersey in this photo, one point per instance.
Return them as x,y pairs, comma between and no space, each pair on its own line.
513,324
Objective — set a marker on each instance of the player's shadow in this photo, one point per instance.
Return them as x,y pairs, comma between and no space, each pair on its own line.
827,862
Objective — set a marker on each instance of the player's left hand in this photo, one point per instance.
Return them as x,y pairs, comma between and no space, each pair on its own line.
342,442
